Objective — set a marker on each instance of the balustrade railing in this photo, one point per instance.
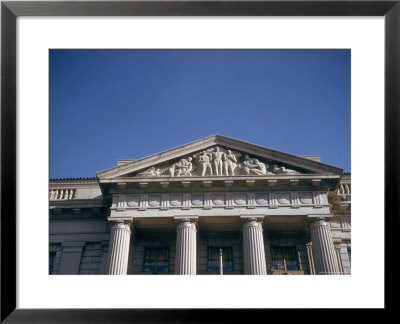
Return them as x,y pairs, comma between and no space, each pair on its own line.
62,194
344,189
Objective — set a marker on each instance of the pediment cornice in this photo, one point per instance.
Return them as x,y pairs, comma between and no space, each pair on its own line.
167,163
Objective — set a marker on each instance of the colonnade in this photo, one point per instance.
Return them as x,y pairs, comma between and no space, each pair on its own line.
323,250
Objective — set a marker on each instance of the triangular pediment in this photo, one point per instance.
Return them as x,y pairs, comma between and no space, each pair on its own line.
218,155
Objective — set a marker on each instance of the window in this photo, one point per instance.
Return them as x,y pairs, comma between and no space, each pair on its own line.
52,257
349,254
213,259
284,258
156,260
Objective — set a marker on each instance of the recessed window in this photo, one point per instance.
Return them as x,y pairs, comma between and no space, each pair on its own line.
349,254
213,259
156,260
52,258
284,258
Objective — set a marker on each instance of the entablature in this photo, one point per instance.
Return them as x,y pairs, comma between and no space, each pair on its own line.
221,203
329,182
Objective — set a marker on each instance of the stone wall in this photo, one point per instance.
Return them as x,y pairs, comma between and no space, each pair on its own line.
91,258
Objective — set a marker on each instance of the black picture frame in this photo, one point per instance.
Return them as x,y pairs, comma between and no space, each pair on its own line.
10,10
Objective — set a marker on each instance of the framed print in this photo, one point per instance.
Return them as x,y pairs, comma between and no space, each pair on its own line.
136,62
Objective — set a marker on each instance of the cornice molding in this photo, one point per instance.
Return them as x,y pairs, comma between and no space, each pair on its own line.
231,143
210,190
72,182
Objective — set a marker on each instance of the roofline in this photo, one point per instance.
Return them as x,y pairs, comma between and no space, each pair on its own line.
159,154
74,179
276,151
216,139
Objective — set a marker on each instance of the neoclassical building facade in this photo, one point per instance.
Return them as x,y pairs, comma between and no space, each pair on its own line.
214,206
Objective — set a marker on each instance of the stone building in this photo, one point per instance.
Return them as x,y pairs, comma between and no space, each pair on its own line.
214,205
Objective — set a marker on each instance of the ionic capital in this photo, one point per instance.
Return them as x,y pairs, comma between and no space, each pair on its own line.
121,225
186,221
318,220
251,221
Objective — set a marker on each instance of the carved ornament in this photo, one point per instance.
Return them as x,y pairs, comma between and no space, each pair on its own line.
216,161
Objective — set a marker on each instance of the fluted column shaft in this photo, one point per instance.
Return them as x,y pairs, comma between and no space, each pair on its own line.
253,247
118,252
325,260
339,258
185,255
310,258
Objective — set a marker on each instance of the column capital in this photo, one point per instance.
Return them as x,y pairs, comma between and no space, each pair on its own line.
179,219
186,219
121,224
183,221
253,217
317,221
251,221
318,216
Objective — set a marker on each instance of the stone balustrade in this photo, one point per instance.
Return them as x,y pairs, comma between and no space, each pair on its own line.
344,189
62,194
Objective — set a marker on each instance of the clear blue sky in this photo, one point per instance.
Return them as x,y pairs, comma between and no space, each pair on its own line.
107,105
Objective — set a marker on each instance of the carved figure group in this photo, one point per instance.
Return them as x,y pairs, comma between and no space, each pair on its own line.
205,160
230,163
281,170
217,161
217,158
253,166
152,172
181,168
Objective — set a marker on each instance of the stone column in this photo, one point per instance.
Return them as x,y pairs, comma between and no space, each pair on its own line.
325,260
253,247
118,251
185,255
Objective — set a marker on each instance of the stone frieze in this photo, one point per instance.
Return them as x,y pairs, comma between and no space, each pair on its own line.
216,161
217,200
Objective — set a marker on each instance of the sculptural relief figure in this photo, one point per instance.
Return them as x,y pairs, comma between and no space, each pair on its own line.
186,167
229,163
205,161
253,166
181,168
172,169
152,172
217,161
218,157
281,170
